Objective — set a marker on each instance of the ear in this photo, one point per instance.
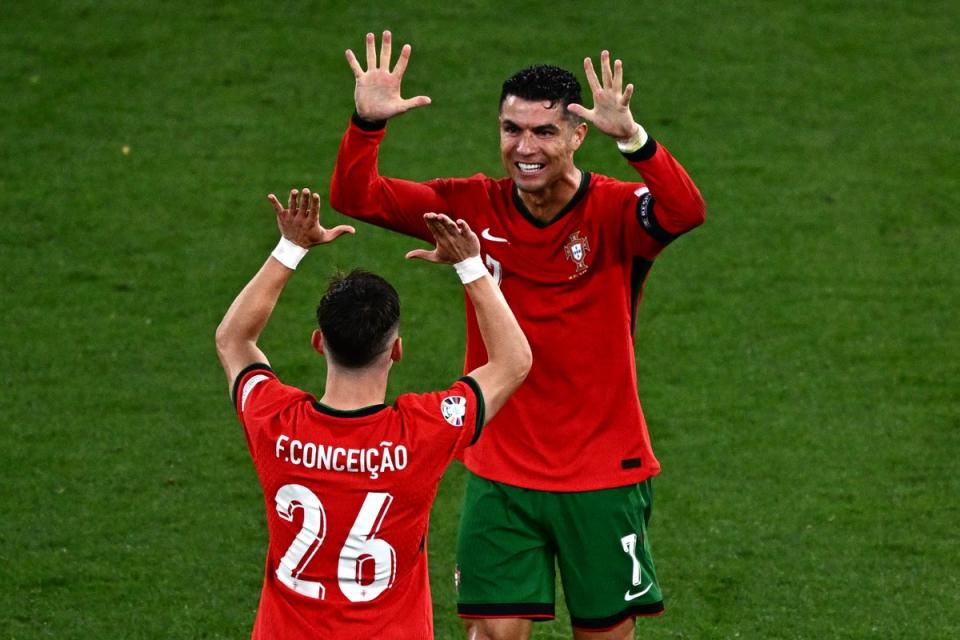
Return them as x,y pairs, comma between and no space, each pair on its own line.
579,133
317,341
396,351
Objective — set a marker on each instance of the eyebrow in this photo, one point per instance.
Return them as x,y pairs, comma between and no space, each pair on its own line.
544,128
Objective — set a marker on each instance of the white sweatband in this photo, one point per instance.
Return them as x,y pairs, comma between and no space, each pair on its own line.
288,254
634,142
470,269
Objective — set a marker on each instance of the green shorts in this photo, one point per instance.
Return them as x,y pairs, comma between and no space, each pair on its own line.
511,539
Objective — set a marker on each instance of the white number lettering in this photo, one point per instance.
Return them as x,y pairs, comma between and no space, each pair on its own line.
629,543
368,565
289,498
496,269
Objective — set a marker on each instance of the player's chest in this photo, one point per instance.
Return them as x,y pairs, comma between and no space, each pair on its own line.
562,254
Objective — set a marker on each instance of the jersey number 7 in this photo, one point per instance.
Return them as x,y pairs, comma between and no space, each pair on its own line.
362,554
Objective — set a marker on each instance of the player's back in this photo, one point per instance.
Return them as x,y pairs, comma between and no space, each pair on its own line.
347,496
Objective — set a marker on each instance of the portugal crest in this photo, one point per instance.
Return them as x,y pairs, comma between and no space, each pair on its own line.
576,250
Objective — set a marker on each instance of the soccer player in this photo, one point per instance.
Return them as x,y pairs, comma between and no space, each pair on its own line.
348,480
563,473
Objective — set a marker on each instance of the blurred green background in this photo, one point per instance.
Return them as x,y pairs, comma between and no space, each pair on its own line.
798,355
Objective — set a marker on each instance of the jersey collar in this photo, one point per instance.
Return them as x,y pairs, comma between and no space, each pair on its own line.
350,413
574,201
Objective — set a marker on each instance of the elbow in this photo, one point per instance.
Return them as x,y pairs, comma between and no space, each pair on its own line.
523,364
700,211
695,213
337,200
223,338
683,219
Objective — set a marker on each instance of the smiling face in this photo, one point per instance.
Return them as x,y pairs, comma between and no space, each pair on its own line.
537,142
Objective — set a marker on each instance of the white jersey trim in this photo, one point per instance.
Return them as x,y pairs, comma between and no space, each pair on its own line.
248,387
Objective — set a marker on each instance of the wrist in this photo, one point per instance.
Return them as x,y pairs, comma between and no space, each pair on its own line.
288,253
470,269
367,125
635,142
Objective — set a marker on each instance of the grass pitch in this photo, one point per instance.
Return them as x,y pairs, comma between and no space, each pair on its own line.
797,354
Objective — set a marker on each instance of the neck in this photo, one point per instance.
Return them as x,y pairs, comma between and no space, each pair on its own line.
545,204
349,389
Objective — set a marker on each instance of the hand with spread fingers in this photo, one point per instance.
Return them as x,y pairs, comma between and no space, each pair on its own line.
611,100
377,93
456,241
299,222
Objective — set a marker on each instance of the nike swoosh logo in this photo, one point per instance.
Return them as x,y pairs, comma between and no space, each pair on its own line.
633,596
485,234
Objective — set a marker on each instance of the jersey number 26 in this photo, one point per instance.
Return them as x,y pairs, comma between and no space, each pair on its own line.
362,554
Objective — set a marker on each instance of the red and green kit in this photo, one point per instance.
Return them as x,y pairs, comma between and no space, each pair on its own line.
574,284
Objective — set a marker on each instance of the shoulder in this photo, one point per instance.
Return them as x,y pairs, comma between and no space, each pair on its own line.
476,182
460,404
610,196
606,185
257,388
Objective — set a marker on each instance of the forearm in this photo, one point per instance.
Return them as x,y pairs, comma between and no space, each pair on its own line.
679,205
246,318
508,352
358,190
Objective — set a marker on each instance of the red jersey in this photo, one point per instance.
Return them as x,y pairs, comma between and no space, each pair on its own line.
574,285
348,496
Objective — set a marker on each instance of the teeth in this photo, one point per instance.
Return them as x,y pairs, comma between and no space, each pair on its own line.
526,166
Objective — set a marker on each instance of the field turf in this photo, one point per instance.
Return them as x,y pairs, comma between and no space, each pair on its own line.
798,355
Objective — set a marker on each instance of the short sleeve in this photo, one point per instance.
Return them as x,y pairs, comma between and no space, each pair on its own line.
259,396
451,419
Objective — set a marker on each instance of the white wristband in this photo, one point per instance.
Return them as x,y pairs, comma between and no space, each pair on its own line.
288,254
470,269
634,142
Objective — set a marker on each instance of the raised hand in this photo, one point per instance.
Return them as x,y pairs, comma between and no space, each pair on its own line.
377,94
299,222
611,100
456,241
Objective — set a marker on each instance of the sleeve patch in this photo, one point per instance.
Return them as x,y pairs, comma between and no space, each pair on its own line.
248,387
453,409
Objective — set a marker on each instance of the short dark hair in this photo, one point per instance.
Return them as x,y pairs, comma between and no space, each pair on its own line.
543,82
358,315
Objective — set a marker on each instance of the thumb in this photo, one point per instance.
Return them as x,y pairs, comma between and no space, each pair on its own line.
578,110
422,254
339,230
413,103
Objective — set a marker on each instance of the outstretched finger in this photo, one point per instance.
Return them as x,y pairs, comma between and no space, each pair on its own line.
304,202
277,207
436,227
386,45
354,65
464,227
605,68
627,94
314,211
371,52
591,74
618,75
292,202
402,61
